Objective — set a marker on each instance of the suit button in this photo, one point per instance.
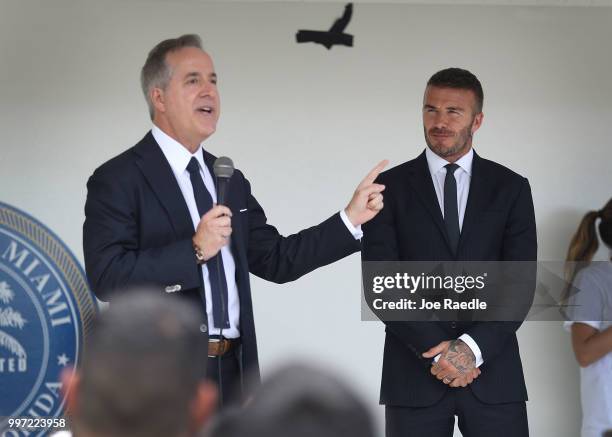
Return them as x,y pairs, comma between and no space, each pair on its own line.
203,328
173,288
454,325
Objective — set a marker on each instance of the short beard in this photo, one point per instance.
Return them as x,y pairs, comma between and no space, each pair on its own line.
463,143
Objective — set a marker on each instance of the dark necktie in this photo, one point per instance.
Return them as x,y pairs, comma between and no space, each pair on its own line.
216,272
451,212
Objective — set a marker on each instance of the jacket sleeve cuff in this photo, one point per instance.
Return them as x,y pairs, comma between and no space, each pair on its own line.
474,347
356,232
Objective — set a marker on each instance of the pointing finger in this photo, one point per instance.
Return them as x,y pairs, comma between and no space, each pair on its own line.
373,174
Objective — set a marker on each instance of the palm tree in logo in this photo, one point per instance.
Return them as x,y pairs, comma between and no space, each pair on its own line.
9,318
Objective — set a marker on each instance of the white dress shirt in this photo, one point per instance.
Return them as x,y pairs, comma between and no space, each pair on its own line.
463,176
178,157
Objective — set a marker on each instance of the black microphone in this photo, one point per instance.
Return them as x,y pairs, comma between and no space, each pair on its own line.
224,169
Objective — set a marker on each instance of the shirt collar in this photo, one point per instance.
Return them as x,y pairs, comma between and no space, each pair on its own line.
436,163
177,155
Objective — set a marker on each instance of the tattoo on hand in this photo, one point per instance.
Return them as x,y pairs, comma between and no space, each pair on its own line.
461,356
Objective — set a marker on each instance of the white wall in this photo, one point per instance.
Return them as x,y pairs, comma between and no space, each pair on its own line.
306,124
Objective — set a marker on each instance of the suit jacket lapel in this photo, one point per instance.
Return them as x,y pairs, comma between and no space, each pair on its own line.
158,173
421,182
209,160
479,189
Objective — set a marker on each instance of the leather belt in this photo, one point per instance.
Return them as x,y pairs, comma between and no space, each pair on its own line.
217,347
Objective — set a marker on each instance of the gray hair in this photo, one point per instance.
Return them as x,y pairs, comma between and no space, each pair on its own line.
155,72
141,368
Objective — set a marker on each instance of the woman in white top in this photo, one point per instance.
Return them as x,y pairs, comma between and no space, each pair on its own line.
591,312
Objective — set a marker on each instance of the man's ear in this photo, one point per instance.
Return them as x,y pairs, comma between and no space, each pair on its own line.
71,380
158,99
477,122
203,405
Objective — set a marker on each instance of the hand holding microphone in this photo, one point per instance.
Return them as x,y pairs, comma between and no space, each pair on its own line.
213,231
215,227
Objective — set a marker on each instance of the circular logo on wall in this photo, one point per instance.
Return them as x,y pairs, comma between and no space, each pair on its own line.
46,310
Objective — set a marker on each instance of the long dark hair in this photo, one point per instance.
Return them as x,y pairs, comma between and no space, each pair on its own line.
584,243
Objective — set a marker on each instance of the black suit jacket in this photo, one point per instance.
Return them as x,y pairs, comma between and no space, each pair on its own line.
499,224
138,231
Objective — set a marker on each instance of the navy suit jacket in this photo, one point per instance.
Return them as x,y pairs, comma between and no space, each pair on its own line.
138,231
499,225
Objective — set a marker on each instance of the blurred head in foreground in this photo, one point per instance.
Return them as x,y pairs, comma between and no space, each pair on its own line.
298,401
142,372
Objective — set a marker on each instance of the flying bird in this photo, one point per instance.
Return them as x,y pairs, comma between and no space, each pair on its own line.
334,36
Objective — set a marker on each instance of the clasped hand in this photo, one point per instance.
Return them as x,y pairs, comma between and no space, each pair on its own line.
457,364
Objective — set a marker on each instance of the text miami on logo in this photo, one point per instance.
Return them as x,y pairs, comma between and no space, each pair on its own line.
46,310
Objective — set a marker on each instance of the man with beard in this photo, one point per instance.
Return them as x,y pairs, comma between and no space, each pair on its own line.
449,204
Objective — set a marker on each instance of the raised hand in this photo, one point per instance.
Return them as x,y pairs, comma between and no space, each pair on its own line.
367,200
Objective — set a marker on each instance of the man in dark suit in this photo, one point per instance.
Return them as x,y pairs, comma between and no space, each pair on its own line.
152,218
449,204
